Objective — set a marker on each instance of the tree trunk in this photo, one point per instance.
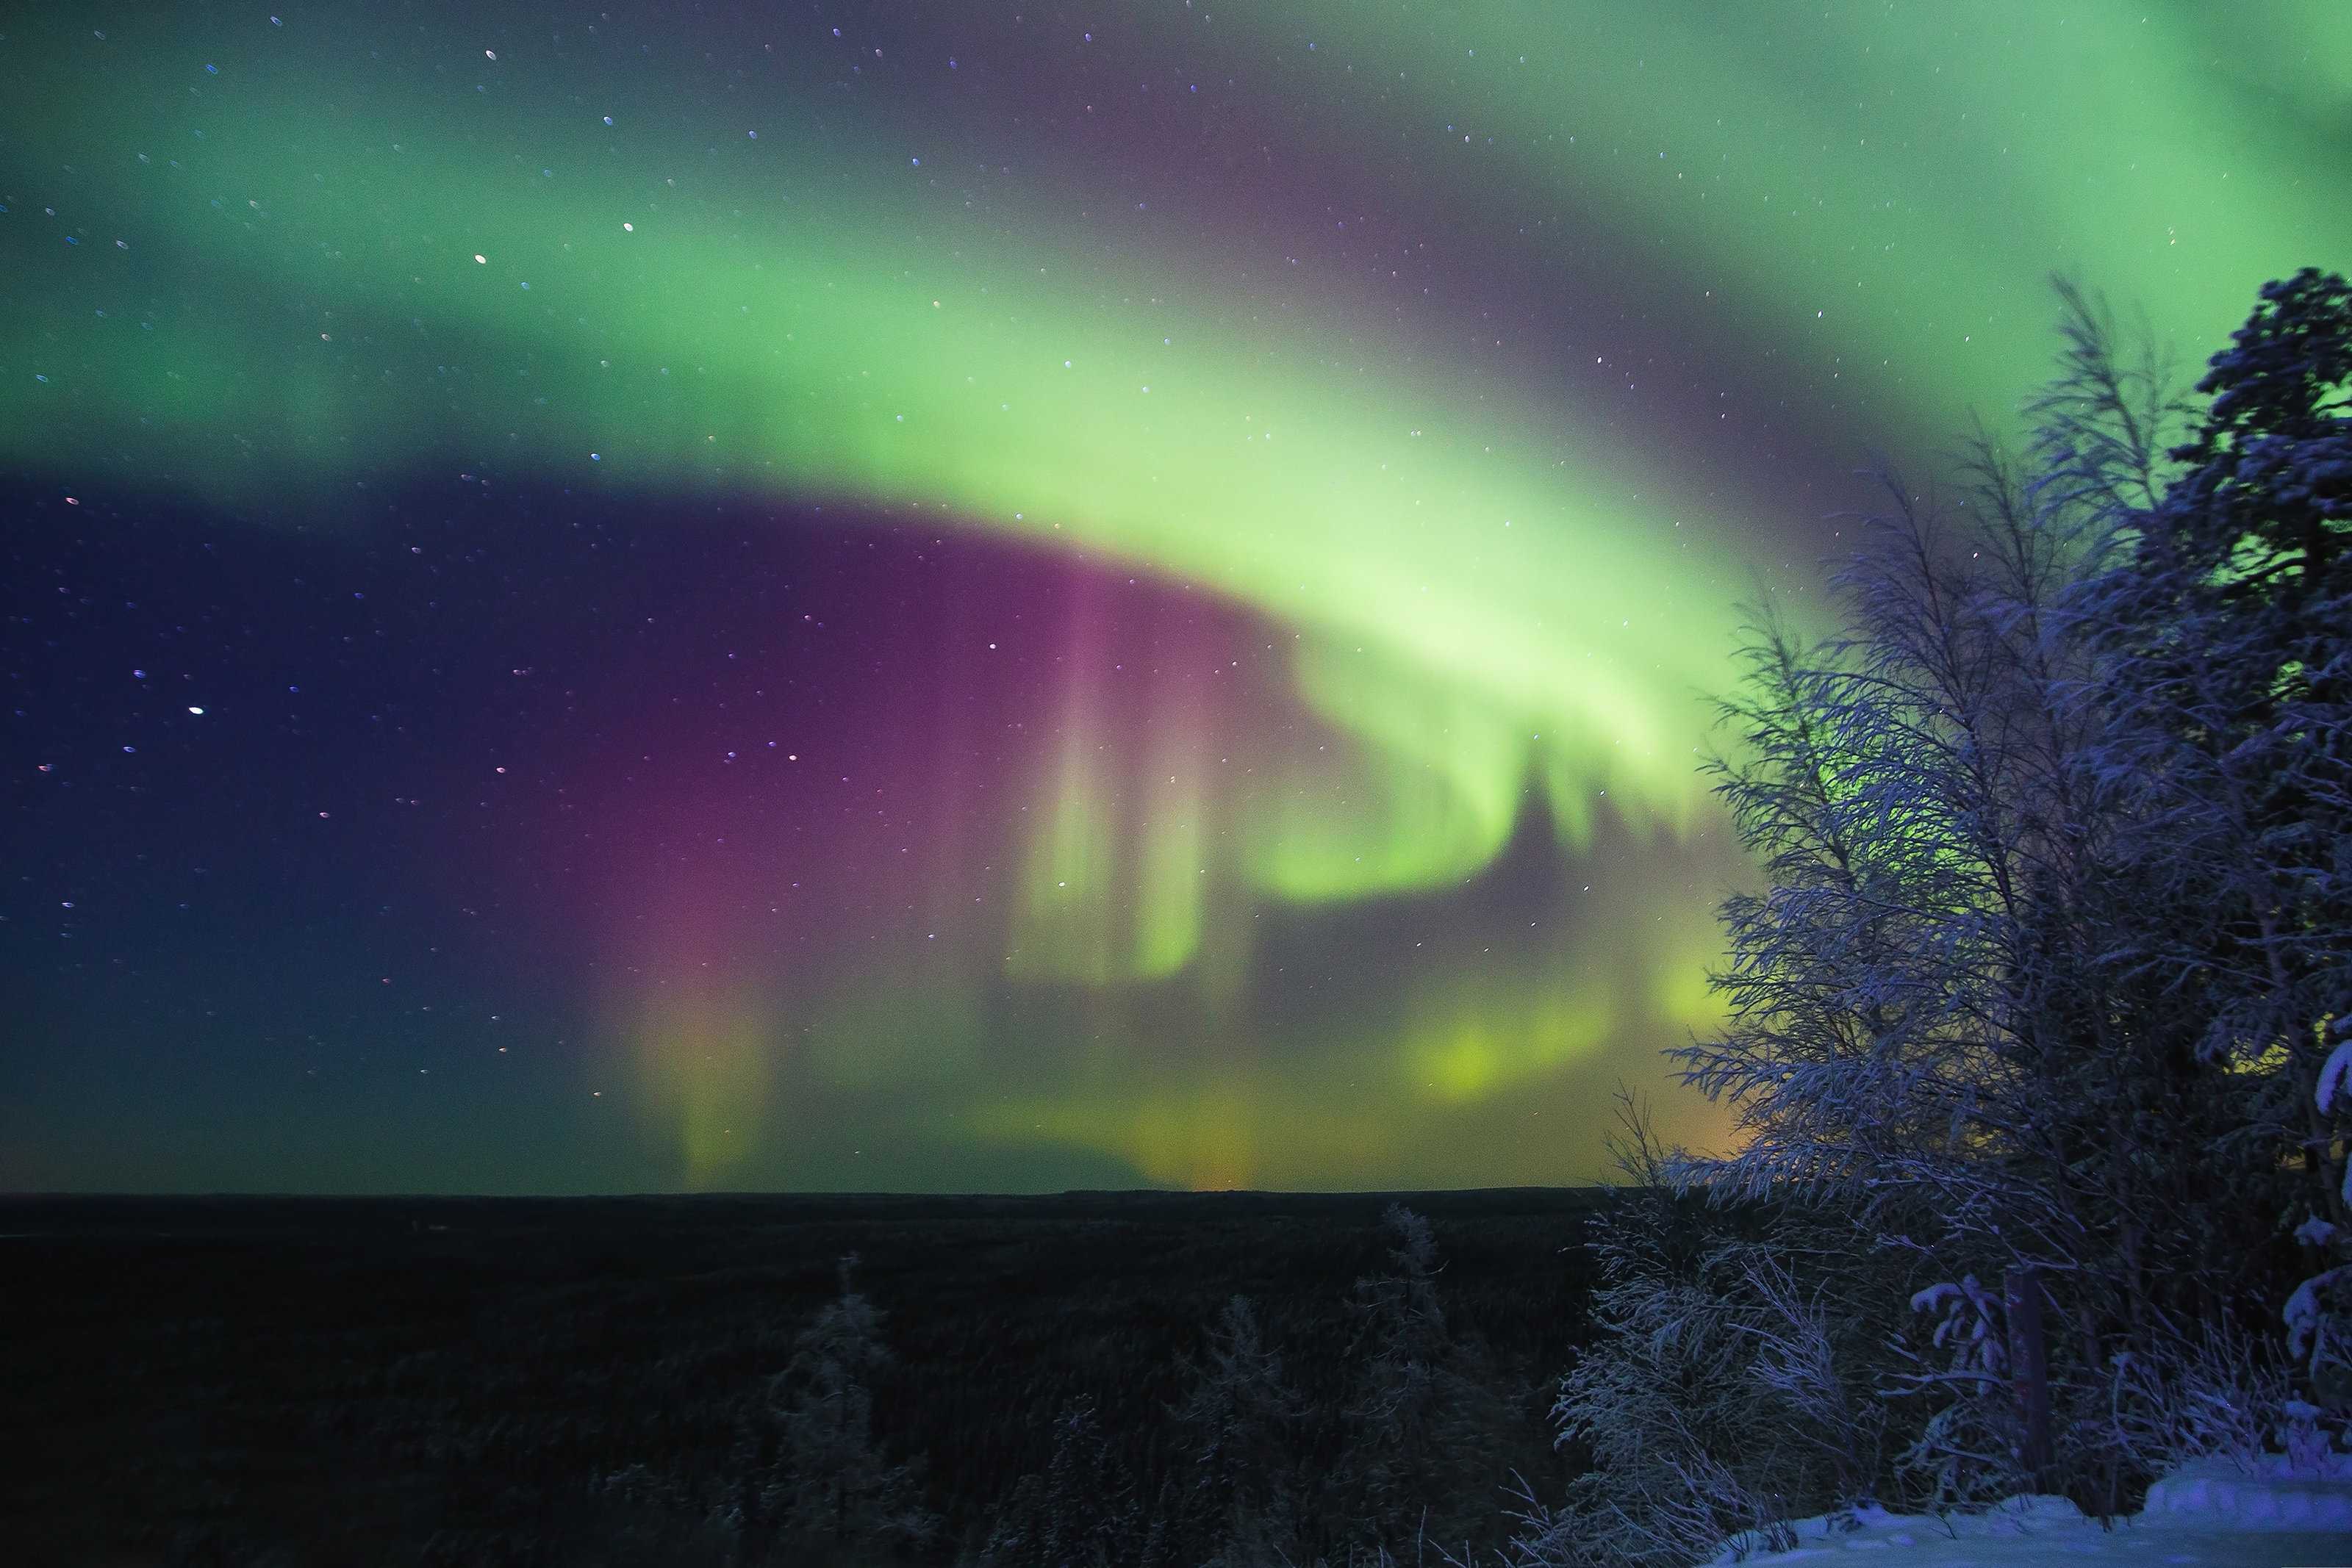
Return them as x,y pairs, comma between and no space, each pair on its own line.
2028,1371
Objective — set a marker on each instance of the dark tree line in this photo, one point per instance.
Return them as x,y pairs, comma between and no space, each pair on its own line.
1249,1473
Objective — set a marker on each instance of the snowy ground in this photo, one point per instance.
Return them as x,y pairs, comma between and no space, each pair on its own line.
2209,1514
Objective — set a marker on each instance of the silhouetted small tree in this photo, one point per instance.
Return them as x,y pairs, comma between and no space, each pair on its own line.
1427,1422
829,1479
1239,1421
1080,1512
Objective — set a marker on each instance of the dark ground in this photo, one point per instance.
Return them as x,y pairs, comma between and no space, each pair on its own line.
404,1380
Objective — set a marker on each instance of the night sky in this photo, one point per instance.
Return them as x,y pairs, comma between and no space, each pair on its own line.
980,596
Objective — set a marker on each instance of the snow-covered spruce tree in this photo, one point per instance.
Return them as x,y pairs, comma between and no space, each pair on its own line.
1732,1381
1965,1010
1916,789
2222,616
1943,1000
829,1486
1240,1423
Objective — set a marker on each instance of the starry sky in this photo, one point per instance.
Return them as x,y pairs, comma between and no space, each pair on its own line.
981,596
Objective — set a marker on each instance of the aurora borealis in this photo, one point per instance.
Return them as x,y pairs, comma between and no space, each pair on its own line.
980,596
